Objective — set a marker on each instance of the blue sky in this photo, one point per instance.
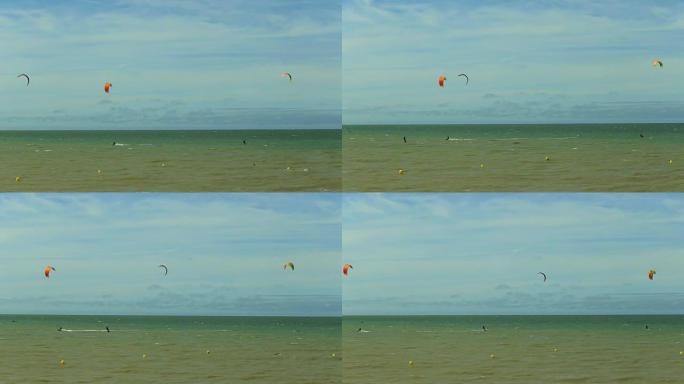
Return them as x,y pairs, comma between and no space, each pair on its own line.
528,62
224,252
480,253
173,64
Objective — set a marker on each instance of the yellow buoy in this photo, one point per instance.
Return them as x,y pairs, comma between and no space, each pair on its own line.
670,161
17,179
208,351
61,363
144,356
401,172
99,171
547,158
411,363
481,165
492,356
555,349
333,355
681,353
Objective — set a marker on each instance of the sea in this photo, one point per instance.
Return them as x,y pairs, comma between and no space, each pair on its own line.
513,349
171,161
169,349
514,158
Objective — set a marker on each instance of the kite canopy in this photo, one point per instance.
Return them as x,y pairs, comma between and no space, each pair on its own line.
28,80
651,273
441,80
346,268
464,75
543,274
107,85
47,270
166,270
289,264
286,74
657,63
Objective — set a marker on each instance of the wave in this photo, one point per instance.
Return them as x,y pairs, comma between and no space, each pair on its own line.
83,330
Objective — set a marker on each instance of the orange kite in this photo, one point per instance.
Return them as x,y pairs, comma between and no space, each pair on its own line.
346,268
47,271
107,86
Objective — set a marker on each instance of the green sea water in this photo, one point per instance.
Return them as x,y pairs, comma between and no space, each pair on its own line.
394,349
512,158
514,349
169,349
171,161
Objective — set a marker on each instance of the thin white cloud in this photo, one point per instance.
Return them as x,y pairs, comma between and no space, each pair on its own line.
429,247
214,57
583,52
109,245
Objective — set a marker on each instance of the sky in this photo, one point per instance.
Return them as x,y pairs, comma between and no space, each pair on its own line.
480,254
205,64
559,61
224,253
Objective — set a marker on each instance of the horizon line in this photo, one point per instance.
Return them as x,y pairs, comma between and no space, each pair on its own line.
304,128
161,315
450,124
510,314
343,316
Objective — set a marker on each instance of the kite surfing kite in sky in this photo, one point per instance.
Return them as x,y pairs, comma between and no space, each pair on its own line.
441,80
543,274
47,270
466,76
28,80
